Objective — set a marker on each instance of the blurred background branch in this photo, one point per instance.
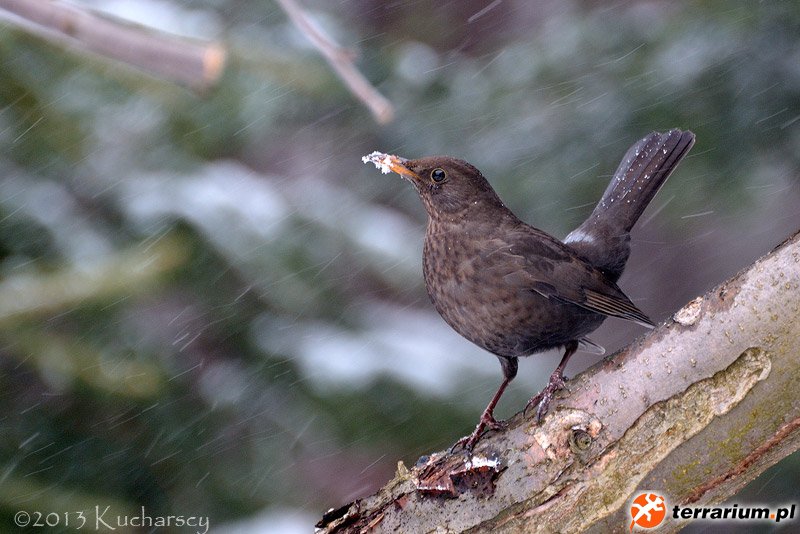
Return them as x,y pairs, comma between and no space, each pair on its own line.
197,65
36,293
341,60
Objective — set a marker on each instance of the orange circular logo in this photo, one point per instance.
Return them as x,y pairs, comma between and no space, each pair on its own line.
648,510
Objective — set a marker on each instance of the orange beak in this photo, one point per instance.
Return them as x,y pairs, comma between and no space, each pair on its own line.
390,163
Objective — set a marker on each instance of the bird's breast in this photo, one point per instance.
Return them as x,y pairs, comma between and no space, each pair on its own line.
464,279
469,276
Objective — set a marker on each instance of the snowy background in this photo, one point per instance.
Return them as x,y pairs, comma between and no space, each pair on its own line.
210,306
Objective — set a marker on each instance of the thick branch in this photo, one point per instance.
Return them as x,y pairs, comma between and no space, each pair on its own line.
197,65
694,411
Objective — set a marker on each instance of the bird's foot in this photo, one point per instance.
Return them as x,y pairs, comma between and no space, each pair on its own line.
543,398
487,422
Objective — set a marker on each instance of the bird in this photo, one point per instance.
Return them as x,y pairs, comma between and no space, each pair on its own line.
515,290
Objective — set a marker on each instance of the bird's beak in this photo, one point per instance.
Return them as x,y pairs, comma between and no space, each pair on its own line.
390,163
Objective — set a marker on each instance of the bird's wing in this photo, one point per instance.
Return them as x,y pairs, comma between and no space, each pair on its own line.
540,263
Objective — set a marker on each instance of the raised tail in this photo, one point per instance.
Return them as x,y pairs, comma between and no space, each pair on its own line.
604,238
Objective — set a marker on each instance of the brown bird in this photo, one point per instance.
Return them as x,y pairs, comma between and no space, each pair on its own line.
515,290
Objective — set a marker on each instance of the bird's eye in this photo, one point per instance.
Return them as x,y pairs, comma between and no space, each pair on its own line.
438,175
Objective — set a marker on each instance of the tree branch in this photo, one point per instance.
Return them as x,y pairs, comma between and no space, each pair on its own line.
341,61
693,411
197,65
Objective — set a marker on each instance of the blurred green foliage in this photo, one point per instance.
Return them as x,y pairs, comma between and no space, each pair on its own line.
209,306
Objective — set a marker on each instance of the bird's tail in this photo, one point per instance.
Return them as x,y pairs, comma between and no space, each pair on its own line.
603,238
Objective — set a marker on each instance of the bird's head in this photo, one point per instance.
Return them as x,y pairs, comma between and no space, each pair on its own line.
445,184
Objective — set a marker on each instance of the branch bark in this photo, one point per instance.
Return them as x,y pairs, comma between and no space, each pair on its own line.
693,411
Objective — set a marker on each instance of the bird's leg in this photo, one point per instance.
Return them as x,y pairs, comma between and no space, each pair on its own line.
487,421
556,382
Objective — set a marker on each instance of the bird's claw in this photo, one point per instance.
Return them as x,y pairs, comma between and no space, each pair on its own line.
543,398
486,423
